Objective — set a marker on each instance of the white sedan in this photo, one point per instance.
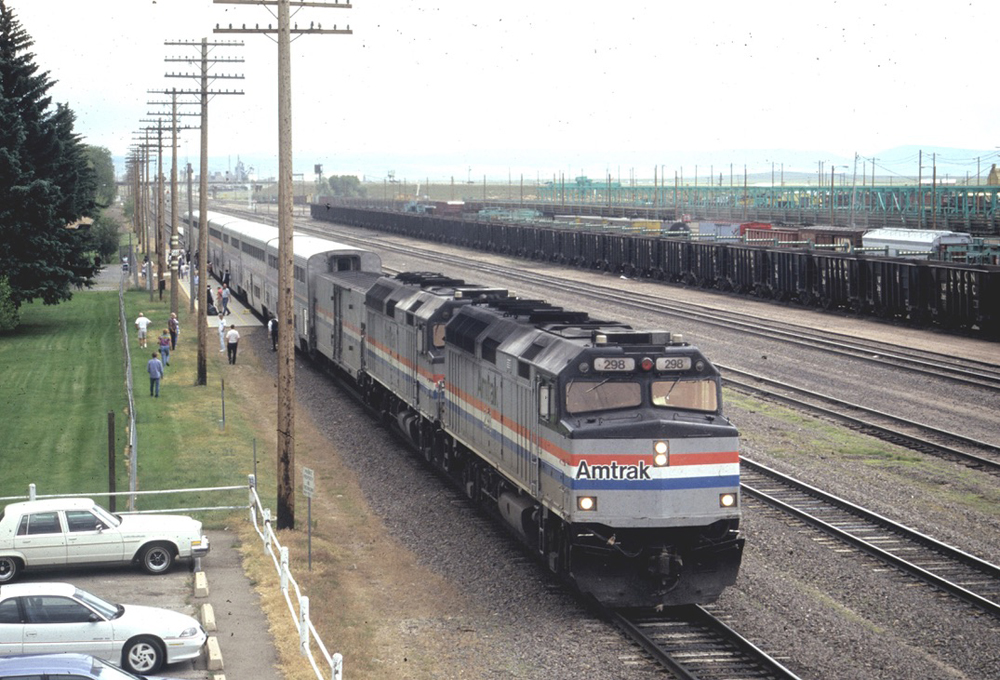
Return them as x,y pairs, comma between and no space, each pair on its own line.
63,532
43,618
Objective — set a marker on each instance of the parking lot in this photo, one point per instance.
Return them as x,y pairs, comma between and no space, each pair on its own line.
247,648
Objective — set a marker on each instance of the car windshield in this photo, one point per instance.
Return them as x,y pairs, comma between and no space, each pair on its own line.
106,517
106,609
694,395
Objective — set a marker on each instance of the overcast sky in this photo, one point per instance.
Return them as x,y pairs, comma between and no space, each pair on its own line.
467,88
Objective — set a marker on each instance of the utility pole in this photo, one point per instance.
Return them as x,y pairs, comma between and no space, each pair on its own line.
286,281
191,268
203,93
920,187
174,232
934,191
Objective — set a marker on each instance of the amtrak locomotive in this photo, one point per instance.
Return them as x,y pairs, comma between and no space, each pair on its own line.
604,448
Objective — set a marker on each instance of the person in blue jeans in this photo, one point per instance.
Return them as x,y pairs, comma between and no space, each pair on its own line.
164,342
155,369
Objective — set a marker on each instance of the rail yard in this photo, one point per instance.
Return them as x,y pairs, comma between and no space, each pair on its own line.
804,586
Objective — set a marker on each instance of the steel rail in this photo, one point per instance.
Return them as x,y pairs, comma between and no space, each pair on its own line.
991,571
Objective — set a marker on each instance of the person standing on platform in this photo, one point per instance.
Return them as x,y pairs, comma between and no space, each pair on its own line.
155,369
222,332
225,300
232,342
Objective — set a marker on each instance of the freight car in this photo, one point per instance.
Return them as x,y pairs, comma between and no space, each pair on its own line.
947,295
929,242
605,449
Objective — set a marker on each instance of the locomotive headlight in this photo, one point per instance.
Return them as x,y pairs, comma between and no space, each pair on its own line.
661,454
587,503
727,500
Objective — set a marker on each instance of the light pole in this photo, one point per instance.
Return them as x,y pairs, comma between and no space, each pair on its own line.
833,172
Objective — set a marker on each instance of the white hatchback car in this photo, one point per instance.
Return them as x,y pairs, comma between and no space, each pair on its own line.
61,532
42,618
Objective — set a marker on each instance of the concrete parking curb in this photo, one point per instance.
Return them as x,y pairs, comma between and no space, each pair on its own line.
200,584
214,654
208,618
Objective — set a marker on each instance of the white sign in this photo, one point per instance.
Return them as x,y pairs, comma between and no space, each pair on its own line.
308,482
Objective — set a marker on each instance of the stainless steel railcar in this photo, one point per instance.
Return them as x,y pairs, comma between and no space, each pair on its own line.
249,252
604,448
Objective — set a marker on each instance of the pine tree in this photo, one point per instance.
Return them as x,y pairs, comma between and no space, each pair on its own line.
45,182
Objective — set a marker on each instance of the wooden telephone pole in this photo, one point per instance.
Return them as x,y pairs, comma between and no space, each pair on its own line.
174,231
286,255
204,93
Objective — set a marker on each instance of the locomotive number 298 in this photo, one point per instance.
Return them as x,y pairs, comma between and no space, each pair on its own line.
614,364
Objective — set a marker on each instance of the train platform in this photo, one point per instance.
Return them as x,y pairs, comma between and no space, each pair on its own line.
239,315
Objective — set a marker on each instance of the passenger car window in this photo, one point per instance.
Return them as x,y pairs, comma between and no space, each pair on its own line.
81,520
9,612
48,609
39,523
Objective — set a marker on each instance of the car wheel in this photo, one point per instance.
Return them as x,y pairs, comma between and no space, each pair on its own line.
157,558
9,568
142,655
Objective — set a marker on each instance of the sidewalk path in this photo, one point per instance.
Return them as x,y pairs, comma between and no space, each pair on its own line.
247,648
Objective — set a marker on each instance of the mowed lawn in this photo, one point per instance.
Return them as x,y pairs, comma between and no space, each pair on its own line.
62,370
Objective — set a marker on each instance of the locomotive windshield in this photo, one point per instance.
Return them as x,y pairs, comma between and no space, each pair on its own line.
584,396
693,395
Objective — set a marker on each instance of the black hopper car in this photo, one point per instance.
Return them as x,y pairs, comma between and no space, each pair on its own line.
946,295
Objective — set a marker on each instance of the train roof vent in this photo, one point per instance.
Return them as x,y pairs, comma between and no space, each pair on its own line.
429,279
539,311
480,293
463,331
377,295
532,351
630,337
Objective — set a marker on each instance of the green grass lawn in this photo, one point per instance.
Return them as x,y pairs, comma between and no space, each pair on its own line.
62,372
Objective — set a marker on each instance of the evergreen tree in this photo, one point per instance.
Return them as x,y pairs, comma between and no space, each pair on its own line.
45,181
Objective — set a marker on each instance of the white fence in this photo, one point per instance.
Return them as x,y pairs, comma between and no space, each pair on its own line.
307,631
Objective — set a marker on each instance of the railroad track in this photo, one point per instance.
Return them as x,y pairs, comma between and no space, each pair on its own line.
954,571
974,453
695,645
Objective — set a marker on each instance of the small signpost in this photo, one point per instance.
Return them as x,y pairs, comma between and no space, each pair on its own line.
308,489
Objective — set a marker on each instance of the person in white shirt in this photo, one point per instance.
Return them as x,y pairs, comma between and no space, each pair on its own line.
142,323
232,341
222,332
